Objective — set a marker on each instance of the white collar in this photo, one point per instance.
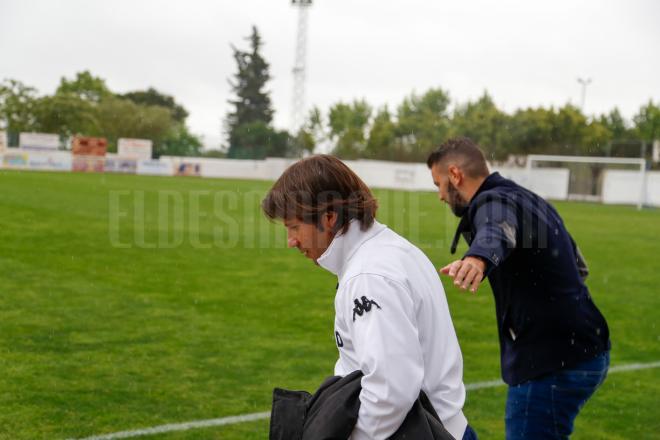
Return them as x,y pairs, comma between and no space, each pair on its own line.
344,245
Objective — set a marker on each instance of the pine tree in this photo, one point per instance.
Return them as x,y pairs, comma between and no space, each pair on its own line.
252,107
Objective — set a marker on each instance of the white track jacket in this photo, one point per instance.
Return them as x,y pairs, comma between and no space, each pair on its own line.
392,322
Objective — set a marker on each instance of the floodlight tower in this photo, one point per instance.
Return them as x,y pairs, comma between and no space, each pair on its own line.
299,66
584,82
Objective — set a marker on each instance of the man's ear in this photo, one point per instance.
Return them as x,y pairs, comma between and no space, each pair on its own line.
329,220
455,175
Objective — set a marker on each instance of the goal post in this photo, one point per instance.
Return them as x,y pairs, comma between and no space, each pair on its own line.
597,165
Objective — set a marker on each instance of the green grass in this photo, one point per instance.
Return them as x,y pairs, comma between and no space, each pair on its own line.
119,311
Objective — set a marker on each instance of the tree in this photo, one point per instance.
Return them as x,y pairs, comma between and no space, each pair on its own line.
86,86
214,153
615,123
303,142
484,123
152,96
252,104
73,109
382,137
17,108
563,131
568,130
258,141
531,131
314,124
67,114
84,105
422,123
180,142
123,118
348,124
647,122
596,139
309,135
621,136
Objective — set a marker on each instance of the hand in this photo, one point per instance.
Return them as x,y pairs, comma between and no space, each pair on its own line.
467,272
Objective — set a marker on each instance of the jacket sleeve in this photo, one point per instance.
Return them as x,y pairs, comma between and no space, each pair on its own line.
382,323
496,229
583,269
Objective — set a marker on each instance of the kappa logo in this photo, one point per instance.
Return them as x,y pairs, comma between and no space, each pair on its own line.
361,309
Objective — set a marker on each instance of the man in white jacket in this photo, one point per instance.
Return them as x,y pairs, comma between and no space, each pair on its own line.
392,320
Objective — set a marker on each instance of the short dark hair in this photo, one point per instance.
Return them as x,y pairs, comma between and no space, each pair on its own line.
317,185
473,162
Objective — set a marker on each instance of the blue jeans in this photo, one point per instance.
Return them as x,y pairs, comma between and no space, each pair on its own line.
470,434
545,408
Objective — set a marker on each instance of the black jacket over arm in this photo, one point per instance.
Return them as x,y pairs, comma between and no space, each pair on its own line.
545,315
331,414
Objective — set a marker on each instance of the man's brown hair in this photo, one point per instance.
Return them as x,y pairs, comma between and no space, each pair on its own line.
317,185
469,156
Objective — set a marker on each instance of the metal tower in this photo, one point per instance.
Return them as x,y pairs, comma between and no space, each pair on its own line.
299,66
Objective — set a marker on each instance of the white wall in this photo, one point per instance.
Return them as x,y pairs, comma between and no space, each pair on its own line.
15,158
624,187
232,169
154,168
653,188
393,175
549,183
552,183
269,169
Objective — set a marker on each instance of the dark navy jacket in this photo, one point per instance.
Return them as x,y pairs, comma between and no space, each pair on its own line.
545,315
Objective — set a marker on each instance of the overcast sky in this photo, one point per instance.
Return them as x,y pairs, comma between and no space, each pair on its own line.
525,53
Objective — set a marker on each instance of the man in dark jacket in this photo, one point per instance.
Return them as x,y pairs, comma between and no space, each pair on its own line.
554,342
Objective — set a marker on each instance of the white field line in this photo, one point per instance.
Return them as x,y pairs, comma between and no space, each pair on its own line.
264,415
182,426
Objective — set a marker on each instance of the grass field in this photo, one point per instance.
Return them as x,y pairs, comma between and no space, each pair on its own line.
128,302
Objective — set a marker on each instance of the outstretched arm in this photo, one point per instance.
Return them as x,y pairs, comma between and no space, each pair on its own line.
496,230
466,273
